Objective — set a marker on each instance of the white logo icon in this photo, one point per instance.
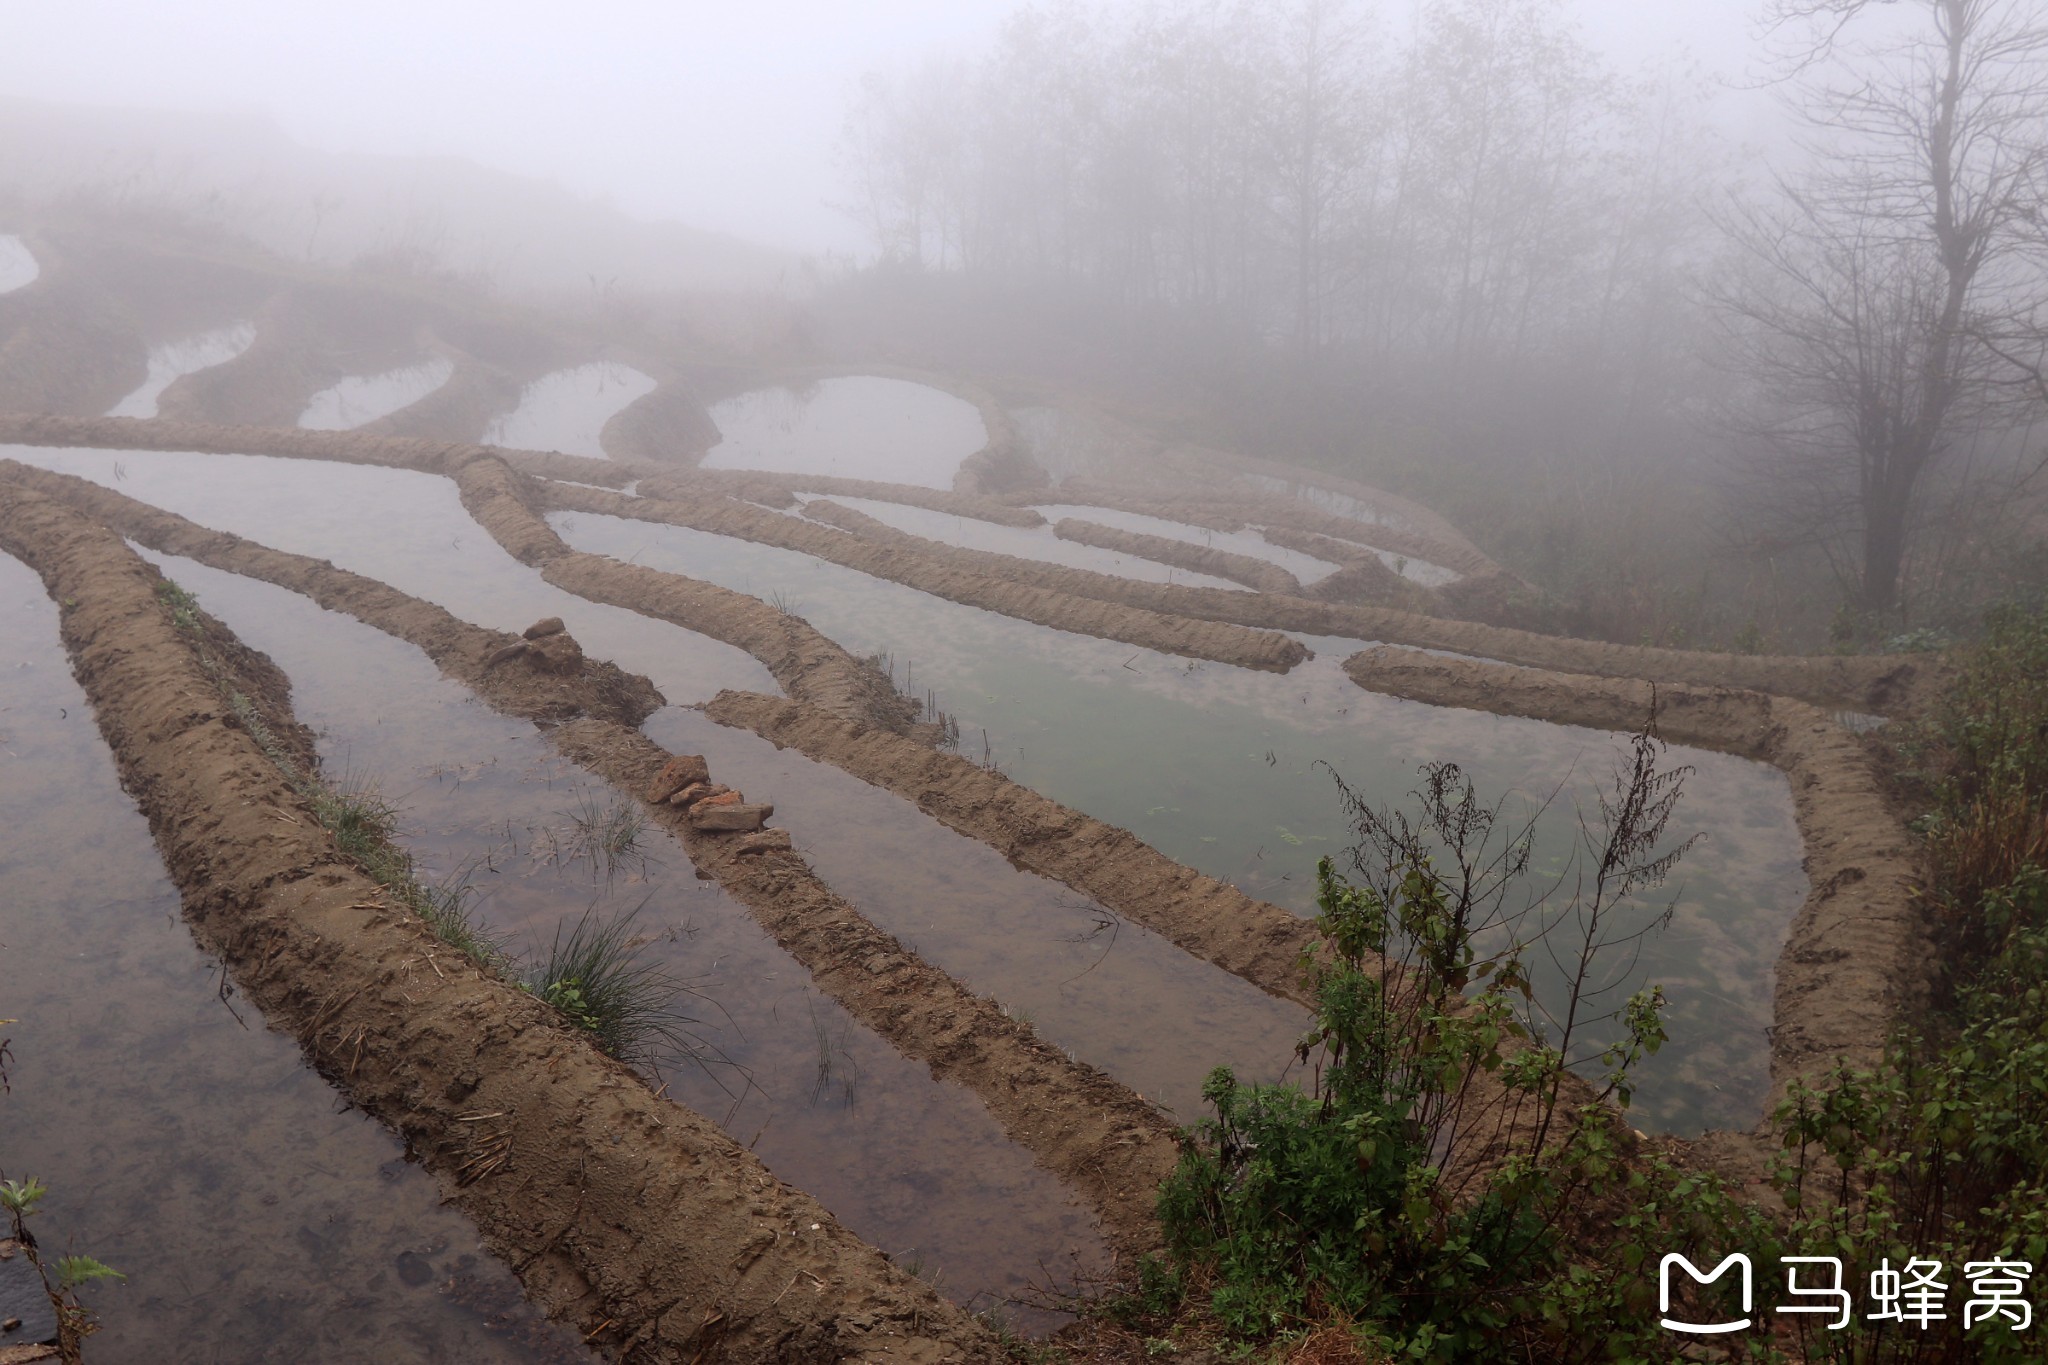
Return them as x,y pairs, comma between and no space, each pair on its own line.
1702,1329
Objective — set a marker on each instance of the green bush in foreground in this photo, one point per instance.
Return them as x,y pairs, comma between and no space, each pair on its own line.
1435,1180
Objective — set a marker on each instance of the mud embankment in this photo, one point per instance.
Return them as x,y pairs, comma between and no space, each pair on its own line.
1858,953
1089,1130
64,344
292,443
1006,597
1257,574
638,1219
1884,684
459,410
803,660
1251,939
661,429
780,490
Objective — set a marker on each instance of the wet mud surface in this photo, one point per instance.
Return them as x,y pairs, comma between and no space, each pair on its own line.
680,1266
912,1165
184,1142
963,1037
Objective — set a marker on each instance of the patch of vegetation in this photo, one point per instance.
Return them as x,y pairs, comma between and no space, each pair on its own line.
595,977
1941,1151
63,1277
1454,1180
184,607
608,832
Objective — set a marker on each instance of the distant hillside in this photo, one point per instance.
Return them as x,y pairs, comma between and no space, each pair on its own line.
242,173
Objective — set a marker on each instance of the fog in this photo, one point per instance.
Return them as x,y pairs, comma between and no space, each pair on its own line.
720,115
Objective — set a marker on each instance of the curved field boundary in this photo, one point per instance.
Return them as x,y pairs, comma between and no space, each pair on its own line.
1882,684
1000,463
1259,575
780,490
1885,684
1251,939
1026,601
457,411
343,447
1267,509
1093,1132
677,1246
1857,950
800,657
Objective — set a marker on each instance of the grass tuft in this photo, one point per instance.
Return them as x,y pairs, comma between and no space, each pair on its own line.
596,978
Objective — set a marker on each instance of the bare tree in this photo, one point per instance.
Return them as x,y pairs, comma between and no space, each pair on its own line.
1883,277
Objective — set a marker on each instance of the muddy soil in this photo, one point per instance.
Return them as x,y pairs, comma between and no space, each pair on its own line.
1883,684
64,344
1081,1125
780,490
675,1245
254,1218
343,447
1859,951
1257,574
1006,596
1248,938
802,659
663,428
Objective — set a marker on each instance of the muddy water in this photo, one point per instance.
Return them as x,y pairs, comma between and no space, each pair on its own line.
913,1165
184,1143
1107,990
1339,504
1307,568
361,399
860,427
411,531
1210,764
567,410
174,360
1028,542
18,266
1220,768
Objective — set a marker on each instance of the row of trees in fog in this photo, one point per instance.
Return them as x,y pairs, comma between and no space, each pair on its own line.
1466,202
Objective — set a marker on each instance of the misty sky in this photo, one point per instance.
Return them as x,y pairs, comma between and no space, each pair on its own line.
721,114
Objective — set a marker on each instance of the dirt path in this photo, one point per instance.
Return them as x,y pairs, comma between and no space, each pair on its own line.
1216,922
675,1245
1858,951
1093,1132
1025,601
1260,575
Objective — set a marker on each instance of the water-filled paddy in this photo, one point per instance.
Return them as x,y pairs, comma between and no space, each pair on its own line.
18,265
1214,766
913,1165
173,360
1307,568
362,399
1027,542
1219,768
857,426
410,531
567,410
185,1144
